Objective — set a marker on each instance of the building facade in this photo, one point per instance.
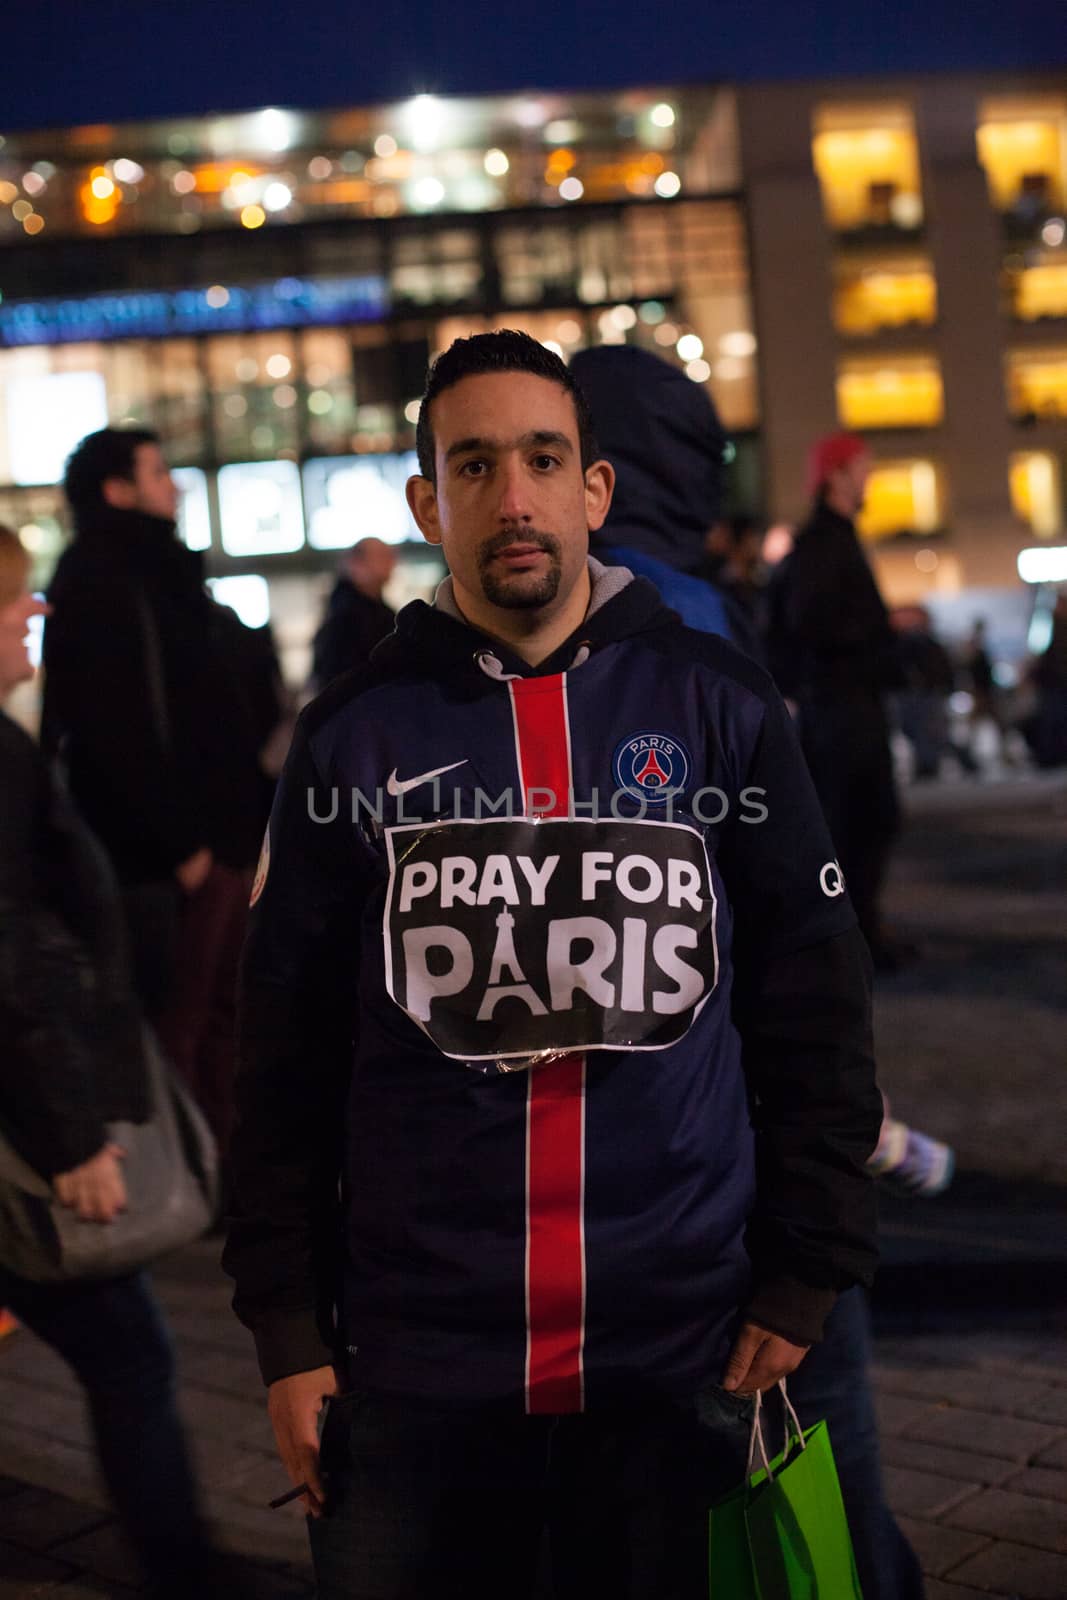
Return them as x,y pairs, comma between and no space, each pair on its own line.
267,289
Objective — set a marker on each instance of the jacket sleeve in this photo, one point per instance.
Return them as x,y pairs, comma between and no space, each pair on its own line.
48,1092
802,1007
97,694
296,1011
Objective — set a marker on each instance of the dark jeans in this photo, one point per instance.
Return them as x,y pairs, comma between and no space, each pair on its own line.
113,1336
833,1383
428,1502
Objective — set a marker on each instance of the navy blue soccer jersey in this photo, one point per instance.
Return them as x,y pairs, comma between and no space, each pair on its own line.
556,973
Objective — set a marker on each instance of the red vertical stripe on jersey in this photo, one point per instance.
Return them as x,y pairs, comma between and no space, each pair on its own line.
555,1108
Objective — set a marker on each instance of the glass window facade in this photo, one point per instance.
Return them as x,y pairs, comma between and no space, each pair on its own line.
424,156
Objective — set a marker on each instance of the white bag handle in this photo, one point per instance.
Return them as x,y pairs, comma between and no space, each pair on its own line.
756,1440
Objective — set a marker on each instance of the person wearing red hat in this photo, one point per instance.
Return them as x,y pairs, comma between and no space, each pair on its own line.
834,653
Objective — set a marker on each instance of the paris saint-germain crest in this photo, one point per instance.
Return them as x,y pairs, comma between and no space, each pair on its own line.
651,766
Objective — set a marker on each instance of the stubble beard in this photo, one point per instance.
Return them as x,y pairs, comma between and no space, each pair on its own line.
520,591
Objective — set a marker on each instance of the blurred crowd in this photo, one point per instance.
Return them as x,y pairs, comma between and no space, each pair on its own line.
165,723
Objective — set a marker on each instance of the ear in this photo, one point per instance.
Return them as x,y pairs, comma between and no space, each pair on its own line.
119,492
422,502
599,488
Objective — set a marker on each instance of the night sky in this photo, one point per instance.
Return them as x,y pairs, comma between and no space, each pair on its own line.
78,61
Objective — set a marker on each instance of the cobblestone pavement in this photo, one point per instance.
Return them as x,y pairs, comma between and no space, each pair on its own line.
970,1308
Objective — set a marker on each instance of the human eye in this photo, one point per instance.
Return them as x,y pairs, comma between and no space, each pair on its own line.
544,461
475,468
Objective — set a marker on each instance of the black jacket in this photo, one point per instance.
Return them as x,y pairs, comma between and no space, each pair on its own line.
71,1057
336,1076
830,634
354,623
144,698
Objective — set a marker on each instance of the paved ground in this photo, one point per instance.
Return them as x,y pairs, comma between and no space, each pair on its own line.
971,1304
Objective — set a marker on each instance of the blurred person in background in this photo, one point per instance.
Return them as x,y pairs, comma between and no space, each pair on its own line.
660,432
979,679
357,618
733,562
834,654
1046,730
922,703
73,1061
147,702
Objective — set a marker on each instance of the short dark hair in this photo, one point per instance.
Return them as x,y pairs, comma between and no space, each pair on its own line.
506,351
107,454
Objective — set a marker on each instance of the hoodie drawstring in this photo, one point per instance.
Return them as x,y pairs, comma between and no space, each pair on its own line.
493,667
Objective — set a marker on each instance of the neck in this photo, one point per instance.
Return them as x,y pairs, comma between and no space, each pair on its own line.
534,634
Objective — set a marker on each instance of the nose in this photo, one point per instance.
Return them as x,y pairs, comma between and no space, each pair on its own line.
514,503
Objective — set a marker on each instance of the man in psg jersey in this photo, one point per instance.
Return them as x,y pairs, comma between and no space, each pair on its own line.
556,1075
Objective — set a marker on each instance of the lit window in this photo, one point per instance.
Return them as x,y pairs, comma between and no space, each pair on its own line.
901,393
894,294
901,497
867,161
1040,290
1037,383
1035,492
1021,147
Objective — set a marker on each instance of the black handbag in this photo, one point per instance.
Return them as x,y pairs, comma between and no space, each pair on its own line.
171,1175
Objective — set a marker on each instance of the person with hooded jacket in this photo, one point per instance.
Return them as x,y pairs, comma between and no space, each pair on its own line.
661,433
509,1194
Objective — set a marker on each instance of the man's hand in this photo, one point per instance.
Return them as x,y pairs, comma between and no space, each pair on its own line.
193,874
759,1358
294,1404
95,1191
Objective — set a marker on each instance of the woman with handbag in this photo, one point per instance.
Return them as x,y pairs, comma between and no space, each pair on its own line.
73,1062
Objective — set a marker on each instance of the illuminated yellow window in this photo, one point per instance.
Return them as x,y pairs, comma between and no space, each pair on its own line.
894,295
1021,145
1040,291
1036,492
901,497
867,161
902,393
1037,383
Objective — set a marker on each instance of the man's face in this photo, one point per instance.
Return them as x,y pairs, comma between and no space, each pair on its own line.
150,489
511,508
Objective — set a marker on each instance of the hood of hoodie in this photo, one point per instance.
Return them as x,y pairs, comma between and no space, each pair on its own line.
437,638
661,433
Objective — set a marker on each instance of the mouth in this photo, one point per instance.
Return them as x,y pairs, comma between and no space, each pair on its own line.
519,554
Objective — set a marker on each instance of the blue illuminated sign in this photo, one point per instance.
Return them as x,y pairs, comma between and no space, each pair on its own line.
154,314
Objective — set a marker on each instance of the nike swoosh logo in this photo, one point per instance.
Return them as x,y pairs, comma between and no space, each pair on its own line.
398,786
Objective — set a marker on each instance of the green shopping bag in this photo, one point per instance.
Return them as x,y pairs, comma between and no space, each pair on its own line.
783,1535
